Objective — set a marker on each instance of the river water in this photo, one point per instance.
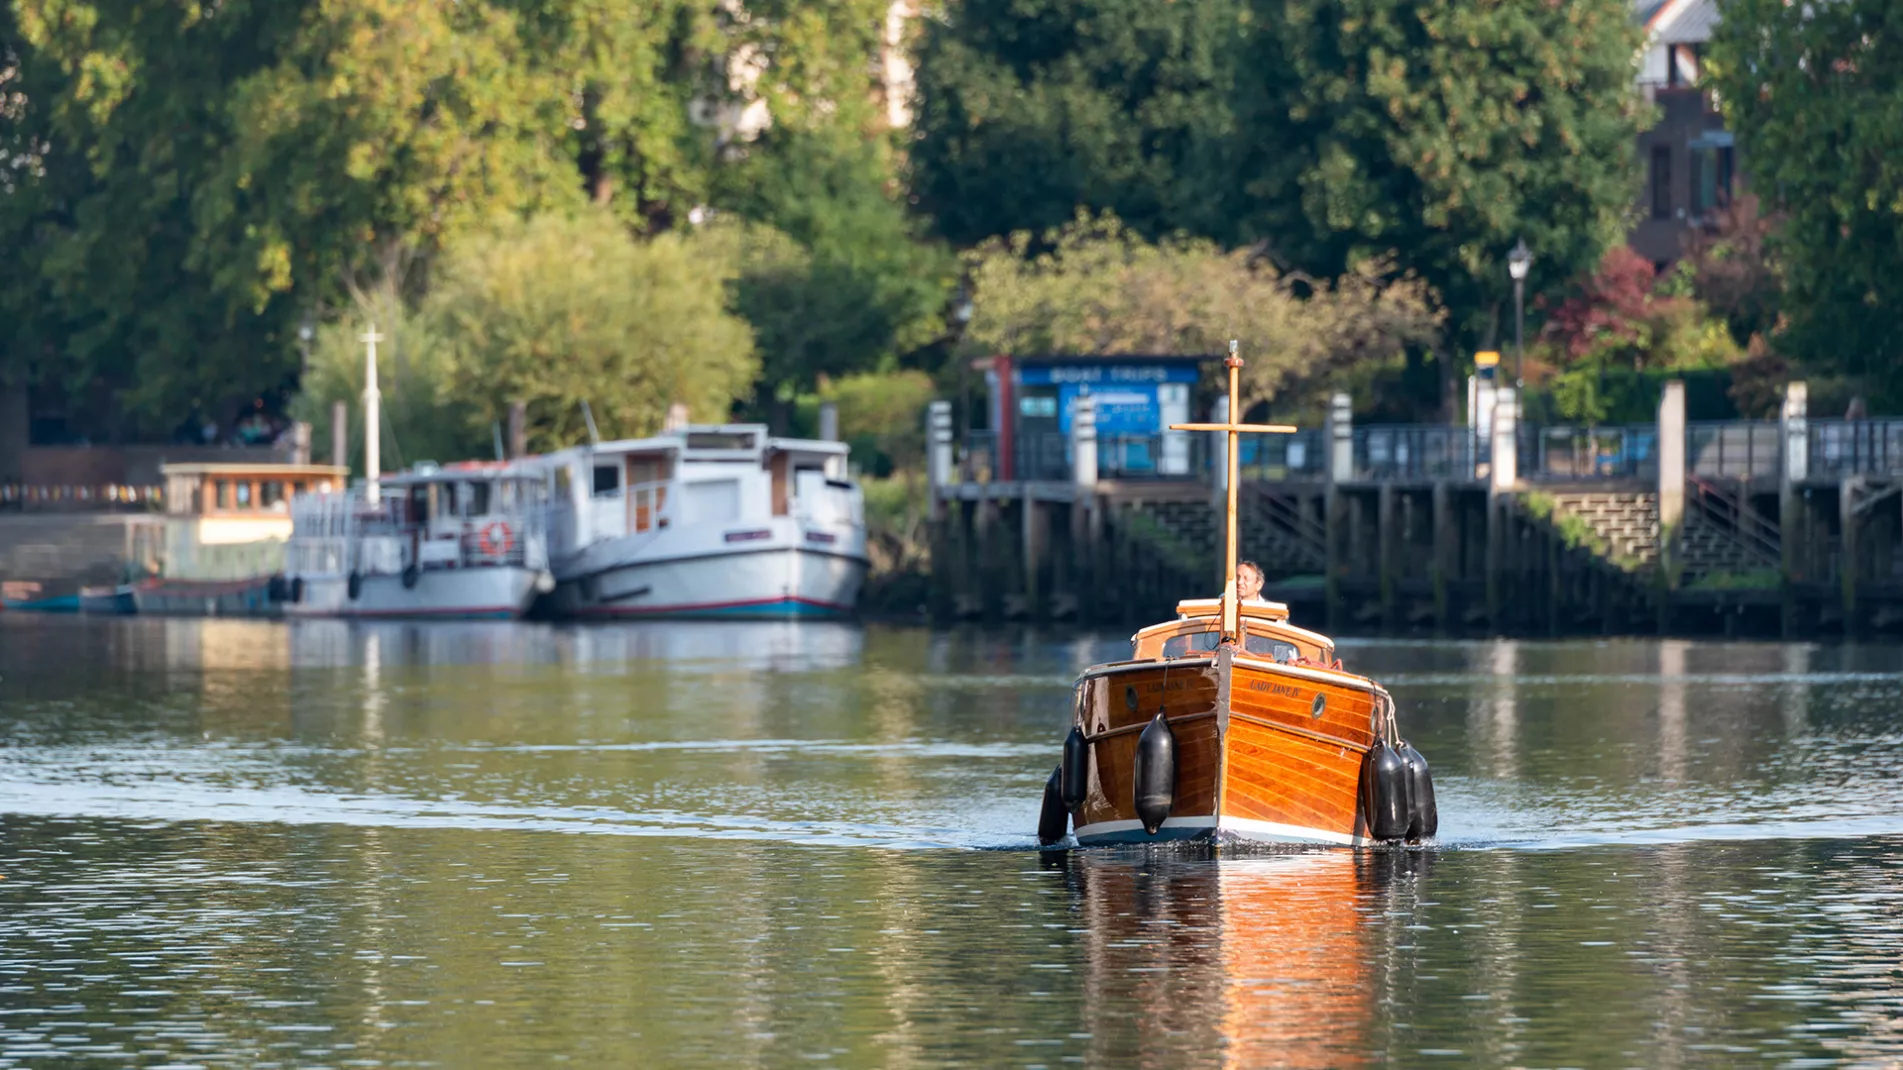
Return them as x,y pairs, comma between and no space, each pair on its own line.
258,844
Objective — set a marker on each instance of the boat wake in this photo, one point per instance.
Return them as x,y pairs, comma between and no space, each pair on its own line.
956,801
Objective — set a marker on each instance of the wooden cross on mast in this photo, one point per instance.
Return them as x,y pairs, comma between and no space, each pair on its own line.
1231,607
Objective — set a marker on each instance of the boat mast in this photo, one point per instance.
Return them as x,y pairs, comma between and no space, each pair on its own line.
372,418
1231,608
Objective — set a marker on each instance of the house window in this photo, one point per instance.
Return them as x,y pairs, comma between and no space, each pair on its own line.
1711,178
1681,66
1661,182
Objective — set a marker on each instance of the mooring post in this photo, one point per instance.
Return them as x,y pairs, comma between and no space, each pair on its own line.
1852,552
1502,475
1794,443
1338,433
1446,547
1080,556
939,467
339,434
1031,546
1387,537
1671,493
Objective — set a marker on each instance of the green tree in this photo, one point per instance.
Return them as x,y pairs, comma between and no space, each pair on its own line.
1328,131
566,309
1444,130
184,184
552,312
1031,109
112,119
1098,287
1814,93
840,280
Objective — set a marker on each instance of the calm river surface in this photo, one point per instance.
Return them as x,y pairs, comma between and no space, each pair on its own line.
257,844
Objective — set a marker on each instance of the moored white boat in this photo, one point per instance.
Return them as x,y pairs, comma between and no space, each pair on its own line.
464,540
718,520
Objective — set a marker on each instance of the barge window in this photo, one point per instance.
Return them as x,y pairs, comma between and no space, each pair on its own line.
607,480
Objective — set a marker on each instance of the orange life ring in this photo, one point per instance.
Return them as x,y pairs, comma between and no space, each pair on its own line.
496,545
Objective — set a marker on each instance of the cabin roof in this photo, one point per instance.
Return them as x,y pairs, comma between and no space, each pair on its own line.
1212,607
266,471
459,472
676,442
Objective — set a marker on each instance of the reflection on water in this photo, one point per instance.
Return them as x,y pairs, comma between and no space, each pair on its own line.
247,843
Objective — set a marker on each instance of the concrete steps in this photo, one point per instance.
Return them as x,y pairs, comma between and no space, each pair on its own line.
1625,527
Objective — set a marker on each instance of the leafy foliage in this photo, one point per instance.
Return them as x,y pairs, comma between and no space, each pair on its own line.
552,312
882,416
843,281
1031,109
1101,288
183,185
1814,93
1331,131
1445,130
1621,324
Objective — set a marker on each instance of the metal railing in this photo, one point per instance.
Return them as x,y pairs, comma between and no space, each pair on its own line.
1413,452
1855,447
1730,509
1714,449
1733,449
1566,453
1046,456
80,498
1273,458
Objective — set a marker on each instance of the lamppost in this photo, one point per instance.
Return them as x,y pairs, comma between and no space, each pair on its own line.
1518,261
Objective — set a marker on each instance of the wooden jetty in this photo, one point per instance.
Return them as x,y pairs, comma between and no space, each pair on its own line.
1789,527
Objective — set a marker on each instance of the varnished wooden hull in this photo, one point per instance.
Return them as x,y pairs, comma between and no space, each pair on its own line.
1265,752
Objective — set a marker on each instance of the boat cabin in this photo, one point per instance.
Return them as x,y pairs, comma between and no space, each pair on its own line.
698,475
230,521
1266,634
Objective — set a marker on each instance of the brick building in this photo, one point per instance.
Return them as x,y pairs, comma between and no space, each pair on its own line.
1689,162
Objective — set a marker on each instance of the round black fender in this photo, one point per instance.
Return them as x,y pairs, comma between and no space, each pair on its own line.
275,590
297,588
1383,790
1423,818
410,575
353,585
1053,819
1155,777
1074,773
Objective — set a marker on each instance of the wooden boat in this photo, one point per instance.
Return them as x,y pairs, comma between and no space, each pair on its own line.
1229,723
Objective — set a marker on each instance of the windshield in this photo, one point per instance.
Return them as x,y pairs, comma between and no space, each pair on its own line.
1204,642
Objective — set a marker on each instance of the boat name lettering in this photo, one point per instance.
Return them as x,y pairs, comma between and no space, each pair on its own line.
1285,690
748,536
824,538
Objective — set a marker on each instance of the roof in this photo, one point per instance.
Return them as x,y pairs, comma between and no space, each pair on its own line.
1212,607
270,471
1677,22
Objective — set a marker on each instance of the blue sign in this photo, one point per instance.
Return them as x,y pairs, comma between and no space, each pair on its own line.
1121,409
1107,374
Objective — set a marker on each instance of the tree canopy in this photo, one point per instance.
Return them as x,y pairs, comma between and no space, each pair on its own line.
552,312
184,185
1329,131
1099,287
1814,95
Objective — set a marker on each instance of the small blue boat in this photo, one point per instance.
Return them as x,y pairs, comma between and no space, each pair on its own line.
108,601
64,603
